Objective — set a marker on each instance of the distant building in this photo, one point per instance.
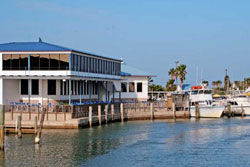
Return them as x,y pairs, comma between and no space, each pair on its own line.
39,72
134,84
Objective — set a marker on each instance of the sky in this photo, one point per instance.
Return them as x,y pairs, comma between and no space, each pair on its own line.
208,36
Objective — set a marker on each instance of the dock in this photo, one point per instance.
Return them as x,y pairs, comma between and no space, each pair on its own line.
78,116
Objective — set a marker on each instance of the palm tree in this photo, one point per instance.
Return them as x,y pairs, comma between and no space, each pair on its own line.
181,73
172,73
214,84
218,83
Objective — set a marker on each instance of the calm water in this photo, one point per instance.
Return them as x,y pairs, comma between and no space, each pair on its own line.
207,142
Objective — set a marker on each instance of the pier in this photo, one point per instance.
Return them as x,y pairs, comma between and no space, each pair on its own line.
87,115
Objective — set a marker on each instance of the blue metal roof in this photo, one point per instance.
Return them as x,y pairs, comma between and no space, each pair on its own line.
130,71
40,47
31,46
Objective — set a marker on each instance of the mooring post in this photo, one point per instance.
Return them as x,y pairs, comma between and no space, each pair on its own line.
112,112
106,113
2,128
100,114
174,110
151,111
19,126
197,110
242,111
35,125
39,132
121,112
90,116
229,114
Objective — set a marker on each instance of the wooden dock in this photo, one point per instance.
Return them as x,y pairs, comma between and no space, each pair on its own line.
70,117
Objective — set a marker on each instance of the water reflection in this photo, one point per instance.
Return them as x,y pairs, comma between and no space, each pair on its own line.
139,143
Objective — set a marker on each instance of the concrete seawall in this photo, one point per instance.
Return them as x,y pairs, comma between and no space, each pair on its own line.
85,116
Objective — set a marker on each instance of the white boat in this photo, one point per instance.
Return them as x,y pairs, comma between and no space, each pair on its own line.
207,107
240,103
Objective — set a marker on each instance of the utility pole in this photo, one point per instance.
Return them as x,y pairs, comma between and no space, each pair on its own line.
176,80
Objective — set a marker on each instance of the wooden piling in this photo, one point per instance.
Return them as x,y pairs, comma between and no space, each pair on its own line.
35,125
106,113
2,128
90,116
99,114
112,112
242,111
19,127
151,111
39,133
197,110
121,112
174,110
229,114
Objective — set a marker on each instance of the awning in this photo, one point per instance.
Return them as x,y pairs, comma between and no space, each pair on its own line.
117,86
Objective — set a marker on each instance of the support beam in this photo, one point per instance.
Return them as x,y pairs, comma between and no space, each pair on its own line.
29,90
113,93
90,90
106,92
70,91
98,90
80,91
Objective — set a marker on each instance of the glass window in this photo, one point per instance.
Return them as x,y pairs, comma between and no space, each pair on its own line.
24,87
54,62
139,87
64,61
51,87
23,62
15,62
34,62
194,92
35,87
124,86
6,62
44,62
131,87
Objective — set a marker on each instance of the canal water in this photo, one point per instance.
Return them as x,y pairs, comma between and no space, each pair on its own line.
204,142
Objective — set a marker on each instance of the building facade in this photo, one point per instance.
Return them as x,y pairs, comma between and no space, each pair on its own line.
43,73
134,84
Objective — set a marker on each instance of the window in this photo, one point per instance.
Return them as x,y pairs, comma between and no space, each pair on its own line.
124,86
35,87
139,87
51,87
34,62
54,62
64,62
44,62
24,62
24,87
15,62
131,87
6,62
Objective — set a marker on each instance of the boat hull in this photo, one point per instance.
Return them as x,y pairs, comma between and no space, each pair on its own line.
238,109
208,111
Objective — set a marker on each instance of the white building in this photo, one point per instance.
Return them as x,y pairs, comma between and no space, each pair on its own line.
43,73
134,84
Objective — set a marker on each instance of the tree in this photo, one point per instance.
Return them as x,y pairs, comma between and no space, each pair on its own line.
214,84
181,73
218,83
205,83
172,73
170,86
